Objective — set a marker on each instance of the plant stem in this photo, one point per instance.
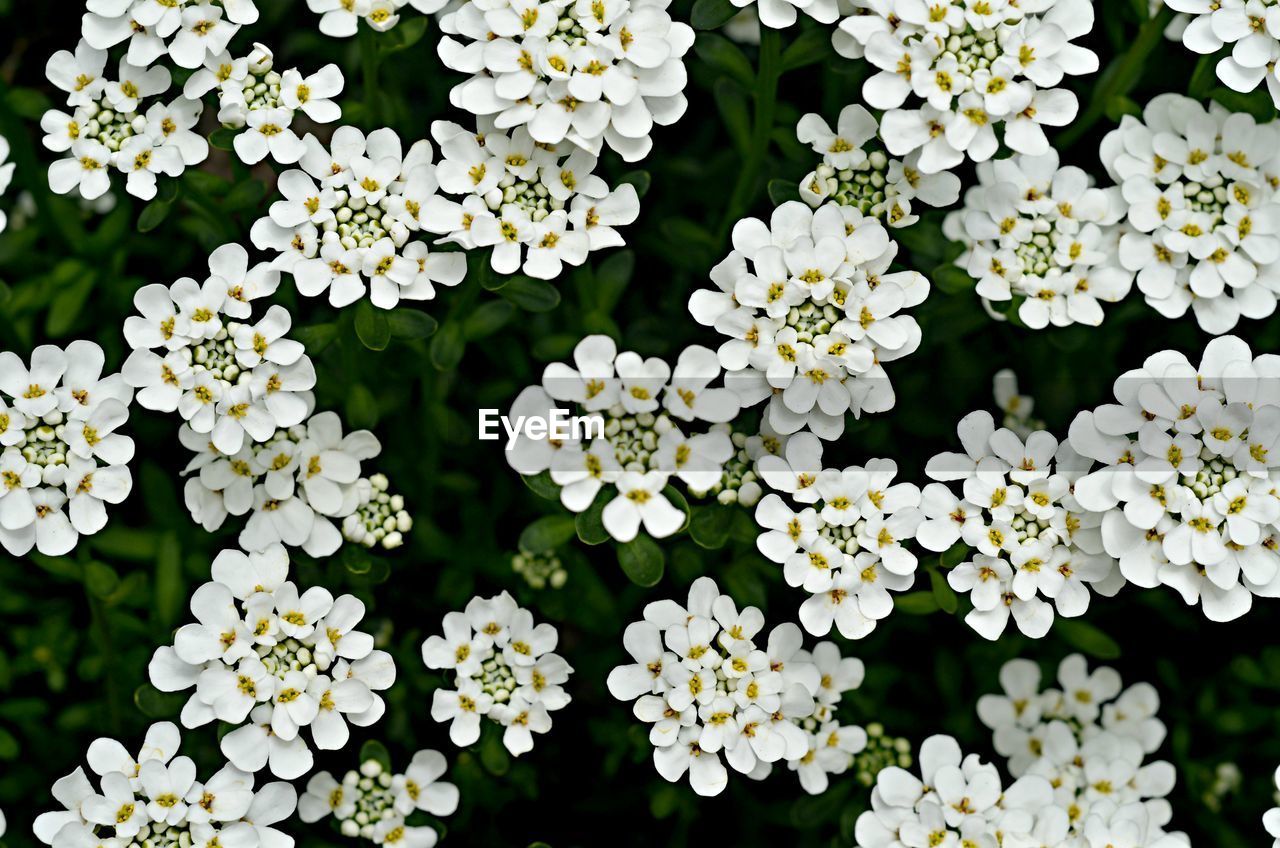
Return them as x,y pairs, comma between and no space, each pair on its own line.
766,97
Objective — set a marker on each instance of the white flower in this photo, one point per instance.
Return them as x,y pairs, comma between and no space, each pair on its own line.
711,691
1015,510
504,669
59,447
952,72
264,654
809,307
1091,741
628,439
1185,478
225,378
1250,30
1040,232
264,103
868,179
158,795
593,75
1201,230
367,798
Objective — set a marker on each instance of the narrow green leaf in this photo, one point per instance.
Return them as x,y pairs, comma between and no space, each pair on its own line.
813,46
711,14
780,191
915,603
943,594
1087,638
710,524
642,561
447,346
487,319
542,486
372,327
531,295
590,522
153,215
410,324
725,56
547,533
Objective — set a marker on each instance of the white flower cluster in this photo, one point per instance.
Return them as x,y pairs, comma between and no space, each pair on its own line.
967,68
291,485
505,669
591,73
1190,463
6,175
706,687
229,380
1249,26
855,173
155,799
271,662
628,437
117,123
347,217
375,804
189,31
341,18
1203,209
1090,740
846,546
263,103
1044,234
812,313
380,518
780,14
956,800
521,196
61,458
1027,534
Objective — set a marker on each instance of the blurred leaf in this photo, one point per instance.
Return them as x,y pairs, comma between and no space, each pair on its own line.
447,346
642,560
372,326
916,603
711,14
813,46
487,319
590,524
153,215
374,750
410,324
724,55
547,533
943,594
1087,638
780,191
531,295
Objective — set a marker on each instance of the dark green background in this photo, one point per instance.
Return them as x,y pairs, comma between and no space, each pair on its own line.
76,632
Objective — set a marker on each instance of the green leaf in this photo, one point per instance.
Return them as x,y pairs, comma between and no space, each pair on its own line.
405,34
487,319
374,750
100,579
315,337
711,14
943,593
223,138
547,533
68,304
531,295
953,280
153,703
954,555
780,191
639,179
170,588
493,755
642,561
723,55
372,327
447,346
678,501
612,277
710,524
361,407
153,215
731,100
590,523
915,603
1087,638
542,486
410,324
813,46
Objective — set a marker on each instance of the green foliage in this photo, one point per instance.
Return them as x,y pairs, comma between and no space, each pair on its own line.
79,630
